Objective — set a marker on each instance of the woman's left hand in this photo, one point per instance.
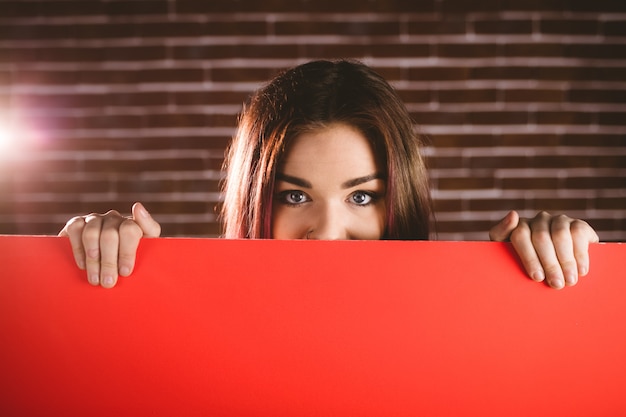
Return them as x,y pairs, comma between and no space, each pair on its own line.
551,248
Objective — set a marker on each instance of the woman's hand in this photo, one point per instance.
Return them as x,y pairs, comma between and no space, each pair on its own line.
551,248
106,244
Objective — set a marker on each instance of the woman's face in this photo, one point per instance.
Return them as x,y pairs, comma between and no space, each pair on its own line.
329,186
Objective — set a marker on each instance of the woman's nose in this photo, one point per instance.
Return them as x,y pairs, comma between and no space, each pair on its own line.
330,224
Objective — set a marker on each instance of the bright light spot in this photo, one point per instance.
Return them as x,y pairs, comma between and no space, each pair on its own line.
6,136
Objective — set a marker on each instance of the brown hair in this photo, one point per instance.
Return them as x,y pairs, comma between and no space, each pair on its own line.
311,96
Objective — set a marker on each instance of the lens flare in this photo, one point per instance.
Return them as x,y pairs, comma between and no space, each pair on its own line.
6,136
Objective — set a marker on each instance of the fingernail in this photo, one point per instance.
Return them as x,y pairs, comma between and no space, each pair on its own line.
570,278
538,276
124,271
144,213
94,279
107,281
558,283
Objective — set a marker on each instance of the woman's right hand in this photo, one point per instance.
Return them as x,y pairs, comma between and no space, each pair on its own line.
105,245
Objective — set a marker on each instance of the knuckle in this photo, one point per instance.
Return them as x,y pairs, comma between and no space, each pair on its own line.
520,234
541,238
560,233
542,215
129,229
569,264
579,227
75,225
552,269
109,236
111,213
91,234
107,265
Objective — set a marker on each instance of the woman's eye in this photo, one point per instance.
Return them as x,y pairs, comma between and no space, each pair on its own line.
293,197
361,198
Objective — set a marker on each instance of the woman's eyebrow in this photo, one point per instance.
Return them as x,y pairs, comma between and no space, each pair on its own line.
348,184
362,180
293,180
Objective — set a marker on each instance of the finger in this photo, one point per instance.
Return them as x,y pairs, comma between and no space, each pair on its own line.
501,232
149,226
109,248
130,235
522,242
582,236
564,248
544,246
74,231
91,244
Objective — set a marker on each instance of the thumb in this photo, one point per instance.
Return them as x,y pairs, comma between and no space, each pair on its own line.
148,225
502,231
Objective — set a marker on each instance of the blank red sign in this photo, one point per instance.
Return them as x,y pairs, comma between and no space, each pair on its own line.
300,328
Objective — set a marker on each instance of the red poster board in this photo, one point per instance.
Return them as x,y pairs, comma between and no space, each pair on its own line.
301,328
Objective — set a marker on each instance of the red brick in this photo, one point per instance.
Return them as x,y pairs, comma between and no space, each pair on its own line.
70,8
400,50
345,28
563,117
176,120
494,162
463,141
569,26
503,117
460,226
611,203
496,204
438,73
447,25
559,205
272,6
131,7
466,50
233,51
598,140
502,73
334,50
531,95
597,182
614,28
533,49
447,205
538,183
465,183
209,97
111,30
135,53
415,96
596,96
439,117
612,118
527,140
466,95
500,26
244,74
613,73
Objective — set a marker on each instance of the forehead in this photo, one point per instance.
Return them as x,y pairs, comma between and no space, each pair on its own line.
335,146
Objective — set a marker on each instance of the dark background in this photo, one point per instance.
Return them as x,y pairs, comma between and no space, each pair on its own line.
111,102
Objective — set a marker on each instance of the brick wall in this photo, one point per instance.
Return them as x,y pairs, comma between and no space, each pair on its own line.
112,102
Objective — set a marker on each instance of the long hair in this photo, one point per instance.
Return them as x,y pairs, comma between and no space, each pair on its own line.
312,96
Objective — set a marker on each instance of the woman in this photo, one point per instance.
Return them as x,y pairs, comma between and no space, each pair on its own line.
327,150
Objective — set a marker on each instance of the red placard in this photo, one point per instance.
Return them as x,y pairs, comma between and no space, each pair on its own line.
304,328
